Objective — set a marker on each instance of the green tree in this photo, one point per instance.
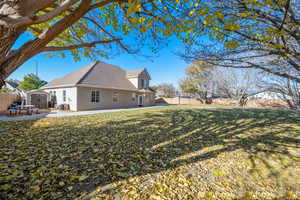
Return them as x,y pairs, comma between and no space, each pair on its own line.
84,27
5,91
260,34
31,82
199,81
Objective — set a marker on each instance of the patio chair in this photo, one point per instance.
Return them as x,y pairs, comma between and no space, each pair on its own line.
13,110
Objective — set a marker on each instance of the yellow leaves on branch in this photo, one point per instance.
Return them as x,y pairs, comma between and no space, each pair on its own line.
134,20
143,29
192,69
232,27
232,44
245,14
191,12
219,15
134,6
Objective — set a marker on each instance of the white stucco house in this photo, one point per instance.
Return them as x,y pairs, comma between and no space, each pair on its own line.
265,95
101,86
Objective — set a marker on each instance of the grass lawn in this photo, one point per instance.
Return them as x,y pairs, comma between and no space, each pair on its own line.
174,152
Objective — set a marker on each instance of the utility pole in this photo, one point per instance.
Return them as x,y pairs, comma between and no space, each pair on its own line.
36,68
178,94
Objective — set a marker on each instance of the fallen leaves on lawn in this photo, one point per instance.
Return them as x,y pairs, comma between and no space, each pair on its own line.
175,152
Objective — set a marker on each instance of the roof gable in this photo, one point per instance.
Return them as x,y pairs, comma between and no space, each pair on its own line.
72,78
104,75
138,73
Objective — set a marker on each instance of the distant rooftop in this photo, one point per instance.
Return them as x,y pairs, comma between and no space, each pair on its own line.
12,84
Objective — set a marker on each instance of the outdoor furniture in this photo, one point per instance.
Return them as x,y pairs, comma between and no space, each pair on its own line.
13,110
63,107
28,109
36,110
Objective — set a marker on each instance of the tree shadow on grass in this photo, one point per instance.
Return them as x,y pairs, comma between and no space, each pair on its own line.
75,158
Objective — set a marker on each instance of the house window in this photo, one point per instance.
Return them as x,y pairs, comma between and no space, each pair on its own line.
133,96
142,83
115,97
95,97
64,95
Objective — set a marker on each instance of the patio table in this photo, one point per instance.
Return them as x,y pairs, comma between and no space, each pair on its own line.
28,108
18,109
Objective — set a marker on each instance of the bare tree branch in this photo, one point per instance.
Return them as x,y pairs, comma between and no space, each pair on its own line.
83,45
106,32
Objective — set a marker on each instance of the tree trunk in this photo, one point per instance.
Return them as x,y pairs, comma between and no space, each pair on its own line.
8,59
243,101
204,99
208,101
10,11
12,62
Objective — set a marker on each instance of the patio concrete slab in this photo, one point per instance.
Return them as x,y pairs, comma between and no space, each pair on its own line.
58,114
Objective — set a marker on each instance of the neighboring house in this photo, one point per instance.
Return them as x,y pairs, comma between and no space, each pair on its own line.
14,88
100,86
265,95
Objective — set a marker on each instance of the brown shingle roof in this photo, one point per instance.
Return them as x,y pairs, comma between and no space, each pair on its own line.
72,78
97,74
107,76
134,73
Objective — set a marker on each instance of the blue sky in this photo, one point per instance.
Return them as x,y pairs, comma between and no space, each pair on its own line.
165,67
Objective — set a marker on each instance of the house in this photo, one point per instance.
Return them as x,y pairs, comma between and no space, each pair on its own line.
265,95
13,87
101,86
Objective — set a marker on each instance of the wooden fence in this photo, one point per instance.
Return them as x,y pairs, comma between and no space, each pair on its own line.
256,103
178,100
6,100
